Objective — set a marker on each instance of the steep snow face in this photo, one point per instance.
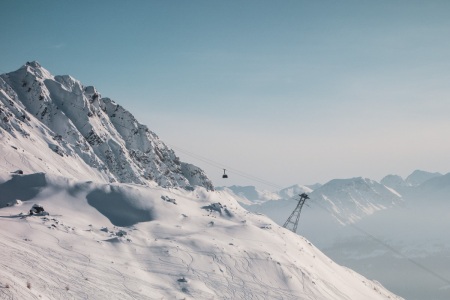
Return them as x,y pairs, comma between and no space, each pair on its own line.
195,176
120,241
351,199
75,132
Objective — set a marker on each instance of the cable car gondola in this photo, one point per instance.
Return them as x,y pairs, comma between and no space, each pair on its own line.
224,174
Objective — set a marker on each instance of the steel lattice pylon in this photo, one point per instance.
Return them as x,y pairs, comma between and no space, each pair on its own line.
292,222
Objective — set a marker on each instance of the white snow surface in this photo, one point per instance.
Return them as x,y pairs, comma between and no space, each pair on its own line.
128,241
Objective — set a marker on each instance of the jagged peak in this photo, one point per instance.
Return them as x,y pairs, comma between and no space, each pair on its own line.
91,91
393,181
35,68
97,133
34,64
70,83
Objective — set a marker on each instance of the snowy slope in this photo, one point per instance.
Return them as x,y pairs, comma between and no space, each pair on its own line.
123,241
85,135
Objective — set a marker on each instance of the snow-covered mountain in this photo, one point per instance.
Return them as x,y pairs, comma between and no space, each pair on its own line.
125,219
120,241
86,136
394,181
352,199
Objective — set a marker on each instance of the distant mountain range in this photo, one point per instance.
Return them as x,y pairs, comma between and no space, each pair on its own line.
347,199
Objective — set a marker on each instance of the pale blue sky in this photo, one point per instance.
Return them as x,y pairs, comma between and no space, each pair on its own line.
289,91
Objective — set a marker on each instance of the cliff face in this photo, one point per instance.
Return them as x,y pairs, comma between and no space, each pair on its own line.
92,136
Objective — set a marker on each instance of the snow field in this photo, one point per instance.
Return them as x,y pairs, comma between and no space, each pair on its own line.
194,248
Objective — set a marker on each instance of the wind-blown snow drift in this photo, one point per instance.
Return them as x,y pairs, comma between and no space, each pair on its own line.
120,241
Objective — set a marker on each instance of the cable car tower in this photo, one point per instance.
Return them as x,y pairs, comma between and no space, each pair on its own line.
292,222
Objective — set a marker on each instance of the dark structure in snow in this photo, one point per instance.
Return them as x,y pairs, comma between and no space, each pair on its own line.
36,209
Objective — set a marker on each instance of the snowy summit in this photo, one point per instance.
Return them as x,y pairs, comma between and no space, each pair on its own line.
83,135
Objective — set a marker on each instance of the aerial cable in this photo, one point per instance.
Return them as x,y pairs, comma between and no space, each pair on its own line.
228,168
214,163
205,160
445,280
379,241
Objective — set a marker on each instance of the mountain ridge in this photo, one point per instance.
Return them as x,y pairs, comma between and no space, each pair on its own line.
86,130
